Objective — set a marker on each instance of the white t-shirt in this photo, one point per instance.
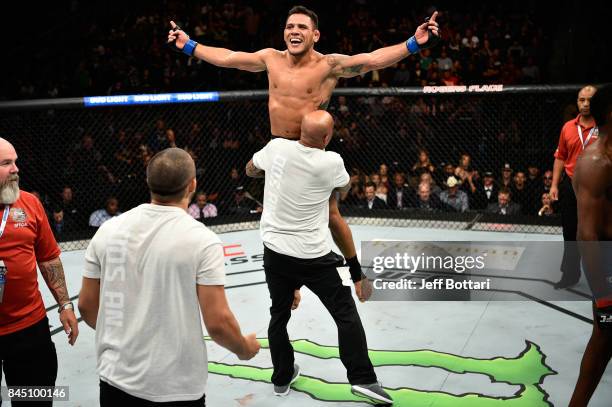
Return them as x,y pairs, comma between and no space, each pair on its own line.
299,183
149,338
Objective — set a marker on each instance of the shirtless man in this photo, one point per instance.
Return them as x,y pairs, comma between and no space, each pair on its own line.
592,183
301,80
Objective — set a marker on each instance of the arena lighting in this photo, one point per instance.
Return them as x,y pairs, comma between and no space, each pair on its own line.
146,99
197,97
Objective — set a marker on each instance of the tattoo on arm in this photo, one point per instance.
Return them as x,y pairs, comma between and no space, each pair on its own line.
352,70
324,105
253,171
337,61
53,273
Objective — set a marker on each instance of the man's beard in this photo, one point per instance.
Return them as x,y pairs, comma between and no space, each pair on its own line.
9,190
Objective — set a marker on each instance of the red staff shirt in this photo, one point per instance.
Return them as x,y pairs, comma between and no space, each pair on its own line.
27,239
570,145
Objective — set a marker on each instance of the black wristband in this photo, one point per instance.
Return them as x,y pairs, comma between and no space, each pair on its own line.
354,269
432,39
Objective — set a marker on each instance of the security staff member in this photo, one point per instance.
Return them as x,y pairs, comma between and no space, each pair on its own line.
27,354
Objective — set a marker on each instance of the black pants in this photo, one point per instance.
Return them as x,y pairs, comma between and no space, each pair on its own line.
111,396
284,274
28,358
570,265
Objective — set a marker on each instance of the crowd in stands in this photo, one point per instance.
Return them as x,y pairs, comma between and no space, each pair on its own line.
122,53
417,184
453,188
403,152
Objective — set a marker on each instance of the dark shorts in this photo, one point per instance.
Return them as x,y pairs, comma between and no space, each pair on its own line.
603,318
111,396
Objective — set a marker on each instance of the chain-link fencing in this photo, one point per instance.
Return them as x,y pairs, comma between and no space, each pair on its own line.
405,146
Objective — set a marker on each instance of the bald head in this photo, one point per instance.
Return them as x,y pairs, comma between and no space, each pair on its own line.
169,174
5,144
9,173
317,128
584,100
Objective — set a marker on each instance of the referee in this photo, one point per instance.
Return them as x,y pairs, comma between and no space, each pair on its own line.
576,135
300,178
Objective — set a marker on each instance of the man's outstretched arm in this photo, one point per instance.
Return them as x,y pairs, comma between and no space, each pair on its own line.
345,66
225,58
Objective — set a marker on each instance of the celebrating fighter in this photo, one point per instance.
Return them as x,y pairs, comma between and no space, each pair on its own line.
301,80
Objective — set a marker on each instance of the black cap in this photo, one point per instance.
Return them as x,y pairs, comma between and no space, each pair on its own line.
488,174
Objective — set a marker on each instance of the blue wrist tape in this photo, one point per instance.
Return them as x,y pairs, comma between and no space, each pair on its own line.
190,47
412,45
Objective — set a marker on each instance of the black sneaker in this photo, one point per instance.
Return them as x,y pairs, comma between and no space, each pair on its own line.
284,390
565,283
373,391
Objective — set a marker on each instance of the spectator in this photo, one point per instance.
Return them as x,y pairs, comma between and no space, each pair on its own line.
425,199
355,194
158,137
547,208
531,72
381,189
399,193
504,204
375,178
520,193
402,75
449,78
506,178
111,209
201,208
447,171
453,198
486,193
243,203
470,40
228,187
423,164
59,225
383,170
464,169
371,201
70,207
533,176
427,178
445,63
97,67
382,192
546,181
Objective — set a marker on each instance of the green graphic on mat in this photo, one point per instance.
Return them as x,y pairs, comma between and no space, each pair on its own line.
527,370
